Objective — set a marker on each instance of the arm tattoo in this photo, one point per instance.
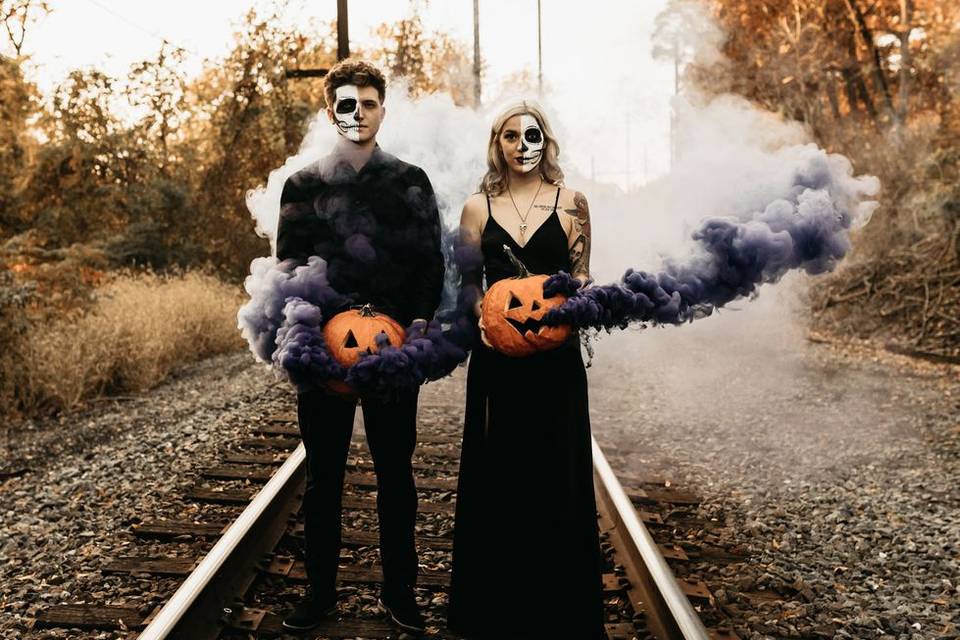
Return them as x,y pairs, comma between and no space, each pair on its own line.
580,249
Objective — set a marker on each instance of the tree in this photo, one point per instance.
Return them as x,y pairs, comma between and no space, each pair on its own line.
251,118
157,88
17,147
428,62
76,189
875,80
17,15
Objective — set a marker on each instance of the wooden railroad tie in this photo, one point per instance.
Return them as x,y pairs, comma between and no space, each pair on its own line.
287,567
263,623
367,480
362,464
169,529
87,616
243,496
284,429
359,538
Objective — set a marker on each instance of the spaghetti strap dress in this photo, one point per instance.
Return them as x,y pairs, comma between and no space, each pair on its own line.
526,551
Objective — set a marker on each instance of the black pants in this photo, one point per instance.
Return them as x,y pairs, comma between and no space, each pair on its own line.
326,424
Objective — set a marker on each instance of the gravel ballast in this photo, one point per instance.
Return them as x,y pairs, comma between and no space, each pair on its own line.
835,467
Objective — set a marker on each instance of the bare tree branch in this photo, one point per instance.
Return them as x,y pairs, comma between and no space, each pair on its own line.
17,14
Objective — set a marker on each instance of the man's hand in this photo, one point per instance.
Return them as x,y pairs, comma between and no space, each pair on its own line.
417,329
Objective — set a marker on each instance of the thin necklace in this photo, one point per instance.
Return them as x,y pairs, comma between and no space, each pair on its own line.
523,217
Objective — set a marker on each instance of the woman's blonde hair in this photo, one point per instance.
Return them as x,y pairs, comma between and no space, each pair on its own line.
495,181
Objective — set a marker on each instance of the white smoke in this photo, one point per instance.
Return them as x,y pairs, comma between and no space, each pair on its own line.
732,160
448,142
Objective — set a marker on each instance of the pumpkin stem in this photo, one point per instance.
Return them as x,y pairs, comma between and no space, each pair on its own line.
522,271
366,311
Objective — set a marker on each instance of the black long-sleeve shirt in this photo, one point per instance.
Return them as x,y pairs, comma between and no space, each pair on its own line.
378,229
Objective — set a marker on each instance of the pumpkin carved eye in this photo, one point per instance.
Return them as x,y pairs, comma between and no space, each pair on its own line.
351,333
350,342
512,317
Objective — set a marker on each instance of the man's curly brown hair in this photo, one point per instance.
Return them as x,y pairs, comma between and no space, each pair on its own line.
352,71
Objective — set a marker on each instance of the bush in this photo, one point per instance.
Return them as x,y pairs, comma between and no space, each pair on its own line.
139,328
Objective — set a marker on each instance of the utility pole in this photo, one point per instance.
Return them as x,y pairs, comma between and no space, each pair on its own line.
627,168
673,113
476,53
343,31
645,165
343,46
539,53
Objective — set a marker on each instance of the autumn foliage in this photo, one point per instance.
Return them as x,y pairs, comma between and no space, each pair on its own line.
150,172
876,80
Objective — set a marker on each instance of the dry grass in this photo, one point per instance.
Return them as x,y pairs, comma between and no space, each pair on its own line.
139,329
901,284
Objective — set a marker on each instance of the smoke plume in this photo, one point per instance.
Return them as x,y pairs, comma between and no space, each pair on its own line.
806,228
288,306
271,285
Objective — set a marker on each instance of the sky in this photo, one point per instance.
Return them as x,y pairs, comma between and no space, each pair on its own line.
609,98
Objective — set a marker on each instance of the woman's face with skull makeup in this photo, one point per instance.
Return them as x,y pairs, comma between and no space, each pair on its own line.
357,112
522,142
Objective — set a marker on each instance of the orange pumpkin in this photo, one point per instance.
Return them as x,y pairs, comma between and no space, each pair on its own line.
350,333
512,312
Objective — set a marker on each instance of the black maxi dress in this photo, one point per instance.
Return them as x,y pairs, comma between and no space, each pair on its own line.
526,551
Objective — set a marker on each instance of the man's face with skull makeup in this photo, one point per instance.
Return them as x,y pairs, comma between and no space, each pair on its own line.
357,112
522,142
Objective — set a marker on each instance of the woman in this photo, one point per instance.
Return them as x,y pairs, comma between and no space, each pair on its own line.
526,513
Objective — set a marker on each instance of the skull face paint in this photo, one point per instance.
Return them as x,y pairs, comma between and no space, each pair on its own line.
531,142
346,111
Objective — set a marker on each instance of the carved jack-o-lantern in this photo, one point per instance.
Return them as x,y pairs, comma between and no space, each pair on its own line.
512,315
350,333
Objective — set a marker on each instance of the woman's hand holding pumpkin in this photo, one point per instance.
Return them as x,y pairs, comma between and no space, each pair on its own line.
483,333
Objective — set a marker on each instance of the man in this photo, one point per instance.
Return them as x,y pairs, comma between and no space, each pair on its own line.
374,220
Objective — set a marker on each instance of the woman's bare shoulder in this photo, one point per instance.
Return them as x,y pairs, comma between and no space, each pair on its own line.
476,200
475,208
571,201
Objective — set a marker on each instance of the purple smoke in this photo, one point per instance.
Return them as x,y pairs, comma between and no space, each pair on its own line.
807,229
271,284
431,350
302,355
561,283
288,307
428,353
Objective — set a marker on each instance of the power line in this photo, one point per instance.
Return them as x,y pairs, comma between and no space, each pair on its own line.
145,30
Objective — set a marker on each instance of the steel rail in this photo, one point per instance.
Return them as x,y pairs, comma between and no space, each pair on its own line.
670,615
196,608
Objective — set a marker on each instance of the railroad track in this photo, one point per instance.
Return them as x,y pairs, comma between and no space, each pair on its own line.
249,574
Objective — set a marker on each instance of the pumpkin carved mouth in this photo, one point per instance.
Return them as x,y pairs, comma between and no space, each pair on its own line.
513,312
530,324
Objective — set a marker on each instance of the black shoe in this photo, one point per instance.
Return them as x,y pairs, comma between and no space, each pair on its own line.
310,612
402,608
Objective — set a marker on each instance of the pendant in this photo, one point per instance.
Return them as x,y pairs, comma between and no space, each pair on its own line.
523,228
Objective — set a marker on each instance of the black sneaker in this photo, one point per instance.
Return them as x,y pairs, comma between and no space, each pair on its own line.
310,612
402,608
